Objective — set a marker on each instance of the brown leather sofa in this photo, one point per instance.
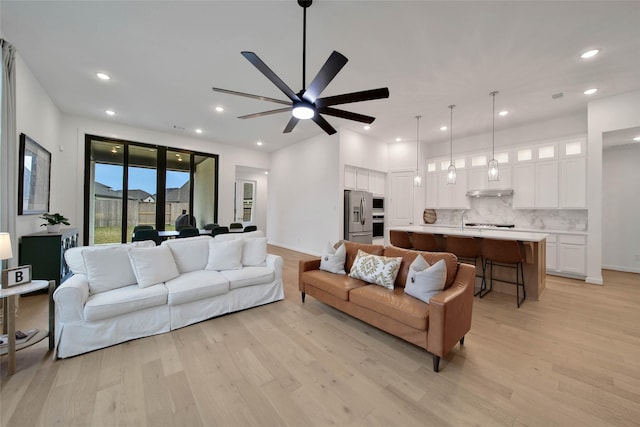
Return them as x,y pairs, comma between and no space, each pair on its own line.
436,326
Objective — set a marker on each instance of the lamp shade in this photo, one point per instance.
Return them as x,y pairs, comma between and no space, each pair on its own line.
5,246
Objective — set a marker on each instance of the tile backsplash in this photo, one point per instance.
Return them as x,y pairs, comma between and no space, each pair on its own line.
499,210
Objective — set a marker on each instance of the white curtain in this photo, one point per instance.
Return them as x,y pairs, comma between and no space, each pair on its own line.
8,148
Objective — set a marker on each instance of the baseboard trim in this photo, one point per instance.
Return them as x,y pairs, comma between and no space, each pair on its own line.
623,269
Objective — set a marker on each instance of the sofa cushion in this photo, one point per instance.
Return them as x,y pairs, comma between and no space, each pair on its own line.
225,255
333,259
75,257
196,285
408,256
394,304
254,251
123,300
425,281
190,253
235,236
152,265
337,285
376,269
108,268
352,252
249,276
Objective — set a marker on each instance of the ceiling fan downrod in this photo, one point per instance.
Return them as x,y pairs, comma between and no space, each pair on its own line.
304,4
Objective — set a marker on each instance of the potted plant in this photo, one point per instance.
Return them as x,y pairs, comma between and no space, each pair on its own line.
53,222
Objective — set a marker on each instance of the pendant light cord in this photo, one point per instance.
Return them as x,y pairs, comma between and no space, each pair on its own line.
451,135
417,140
493,126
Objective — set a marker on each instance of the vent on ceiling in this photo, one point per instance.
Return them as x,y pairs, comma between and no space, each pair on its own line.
557,95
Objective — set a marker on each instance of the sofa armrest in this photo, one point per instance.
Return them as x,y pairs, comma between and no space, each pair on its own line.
70,298
306,265
275,262
450,312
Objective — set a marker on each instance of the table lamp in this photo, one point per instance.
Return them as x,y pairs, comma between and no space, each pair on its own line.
5,246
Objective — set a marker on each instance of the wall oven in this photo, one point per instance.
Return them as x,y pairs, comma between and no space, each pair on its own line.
378,224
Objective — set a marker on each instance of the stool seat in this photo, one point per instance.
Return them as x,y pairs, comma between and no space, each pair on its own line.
400,239
503,253
425,242
468,250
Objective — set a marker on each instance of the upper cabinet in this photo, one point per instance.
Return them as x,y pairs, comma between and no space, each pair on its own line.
365,180
573,175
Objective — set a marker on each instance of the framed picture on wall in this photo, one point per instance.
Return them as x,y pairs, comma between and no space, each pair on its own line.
34,180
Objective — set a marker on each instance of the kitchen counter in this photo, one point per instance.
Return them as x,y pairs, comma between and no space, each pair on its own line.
533,245
428,227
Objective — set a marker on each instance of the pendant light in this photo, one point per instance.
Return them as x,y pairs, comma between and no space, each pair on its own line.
417,178
494,173
451,172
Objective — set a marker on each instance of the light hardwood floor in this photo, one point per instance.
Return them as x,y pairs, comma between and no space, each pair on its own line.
572,358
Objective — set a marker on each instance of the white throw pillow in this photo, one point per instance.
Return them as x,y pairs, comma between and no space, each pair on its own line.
190,253
153,265
108,268
418,264
376,269
426,283
333,259
254,251
75,256
225,255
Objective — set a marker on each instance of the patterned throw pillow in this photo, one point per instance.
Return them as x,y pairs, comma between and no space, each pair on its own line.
375,269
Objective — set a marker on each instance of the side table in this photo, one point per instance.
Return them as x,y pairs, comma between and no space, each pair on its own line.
10,295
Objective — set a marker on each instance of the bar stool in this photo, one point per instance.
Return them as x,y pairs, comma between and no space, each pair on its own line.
400,239
425,242
504,253
468,250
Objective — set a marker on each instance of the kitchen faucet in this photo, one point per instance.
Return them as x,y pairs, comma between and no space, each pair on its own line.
462,220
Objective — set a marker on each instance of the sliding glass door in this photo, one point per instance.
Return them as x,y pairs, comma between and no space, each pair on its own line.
129,184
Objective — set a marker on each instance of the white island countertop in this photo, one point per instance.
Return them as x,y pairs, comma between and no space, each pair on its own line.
490,233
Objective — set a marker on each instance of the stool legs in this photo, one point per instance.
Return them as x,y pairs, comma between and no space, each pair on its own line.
483,286
519,267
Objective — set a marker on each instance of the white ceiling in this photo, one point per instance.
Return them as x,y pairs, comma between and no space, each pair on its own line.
164,57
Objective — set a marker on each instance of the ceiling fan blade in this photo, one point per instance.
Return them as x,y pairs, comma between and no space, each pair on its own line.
347,98
346,115
320,121
264,69
265,113
329,70
292,123
248,95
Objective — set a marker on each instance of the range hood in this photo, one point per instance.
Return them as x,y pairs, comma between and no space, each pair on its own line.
491,192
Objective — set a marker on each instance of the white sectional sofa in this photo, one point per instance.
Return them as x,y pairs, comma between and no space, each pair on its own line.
123,292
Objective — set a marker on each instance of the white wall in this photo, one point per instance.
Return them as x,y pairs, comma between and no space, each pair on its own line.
39,118
621,208
305,196
362,151
261,190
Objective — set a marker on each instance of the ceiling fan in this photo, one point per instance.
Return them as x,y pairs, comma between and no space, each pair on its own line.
306,104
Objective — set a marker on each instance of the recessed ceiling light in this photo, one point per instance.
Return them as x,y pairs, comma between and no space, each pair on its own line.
266,172
367,127
198,130
590,91
503,113
219,109
110,112
637,138
103,76
590,54
443,128
259,143
398,139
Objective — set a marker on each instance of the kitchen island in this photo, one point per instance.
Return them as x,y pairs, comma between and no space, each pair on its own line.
532,244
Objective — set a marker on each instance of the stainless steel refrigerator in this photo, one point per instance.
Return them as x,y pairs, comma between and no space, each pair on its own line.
358,219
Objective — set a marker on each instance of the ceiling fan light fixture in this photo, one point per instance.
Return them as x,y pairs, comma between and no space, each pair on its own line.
302,111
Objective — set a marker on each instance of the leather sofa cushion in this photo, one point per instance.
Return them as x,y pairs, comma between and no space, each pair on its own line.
196,285
338,285
394,304
408,256
124,300
352,252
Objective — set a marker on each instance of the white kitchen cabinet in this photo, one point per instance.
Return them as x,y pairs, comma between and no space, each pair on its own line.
504,175
377,183
546,184
524,180
552,252
432,190
362,179
571,254
350,181
573,182
477,178
453,196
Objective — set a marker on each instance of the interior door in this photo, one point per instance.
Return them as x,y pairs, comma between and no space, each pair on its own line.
245,198
400,208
